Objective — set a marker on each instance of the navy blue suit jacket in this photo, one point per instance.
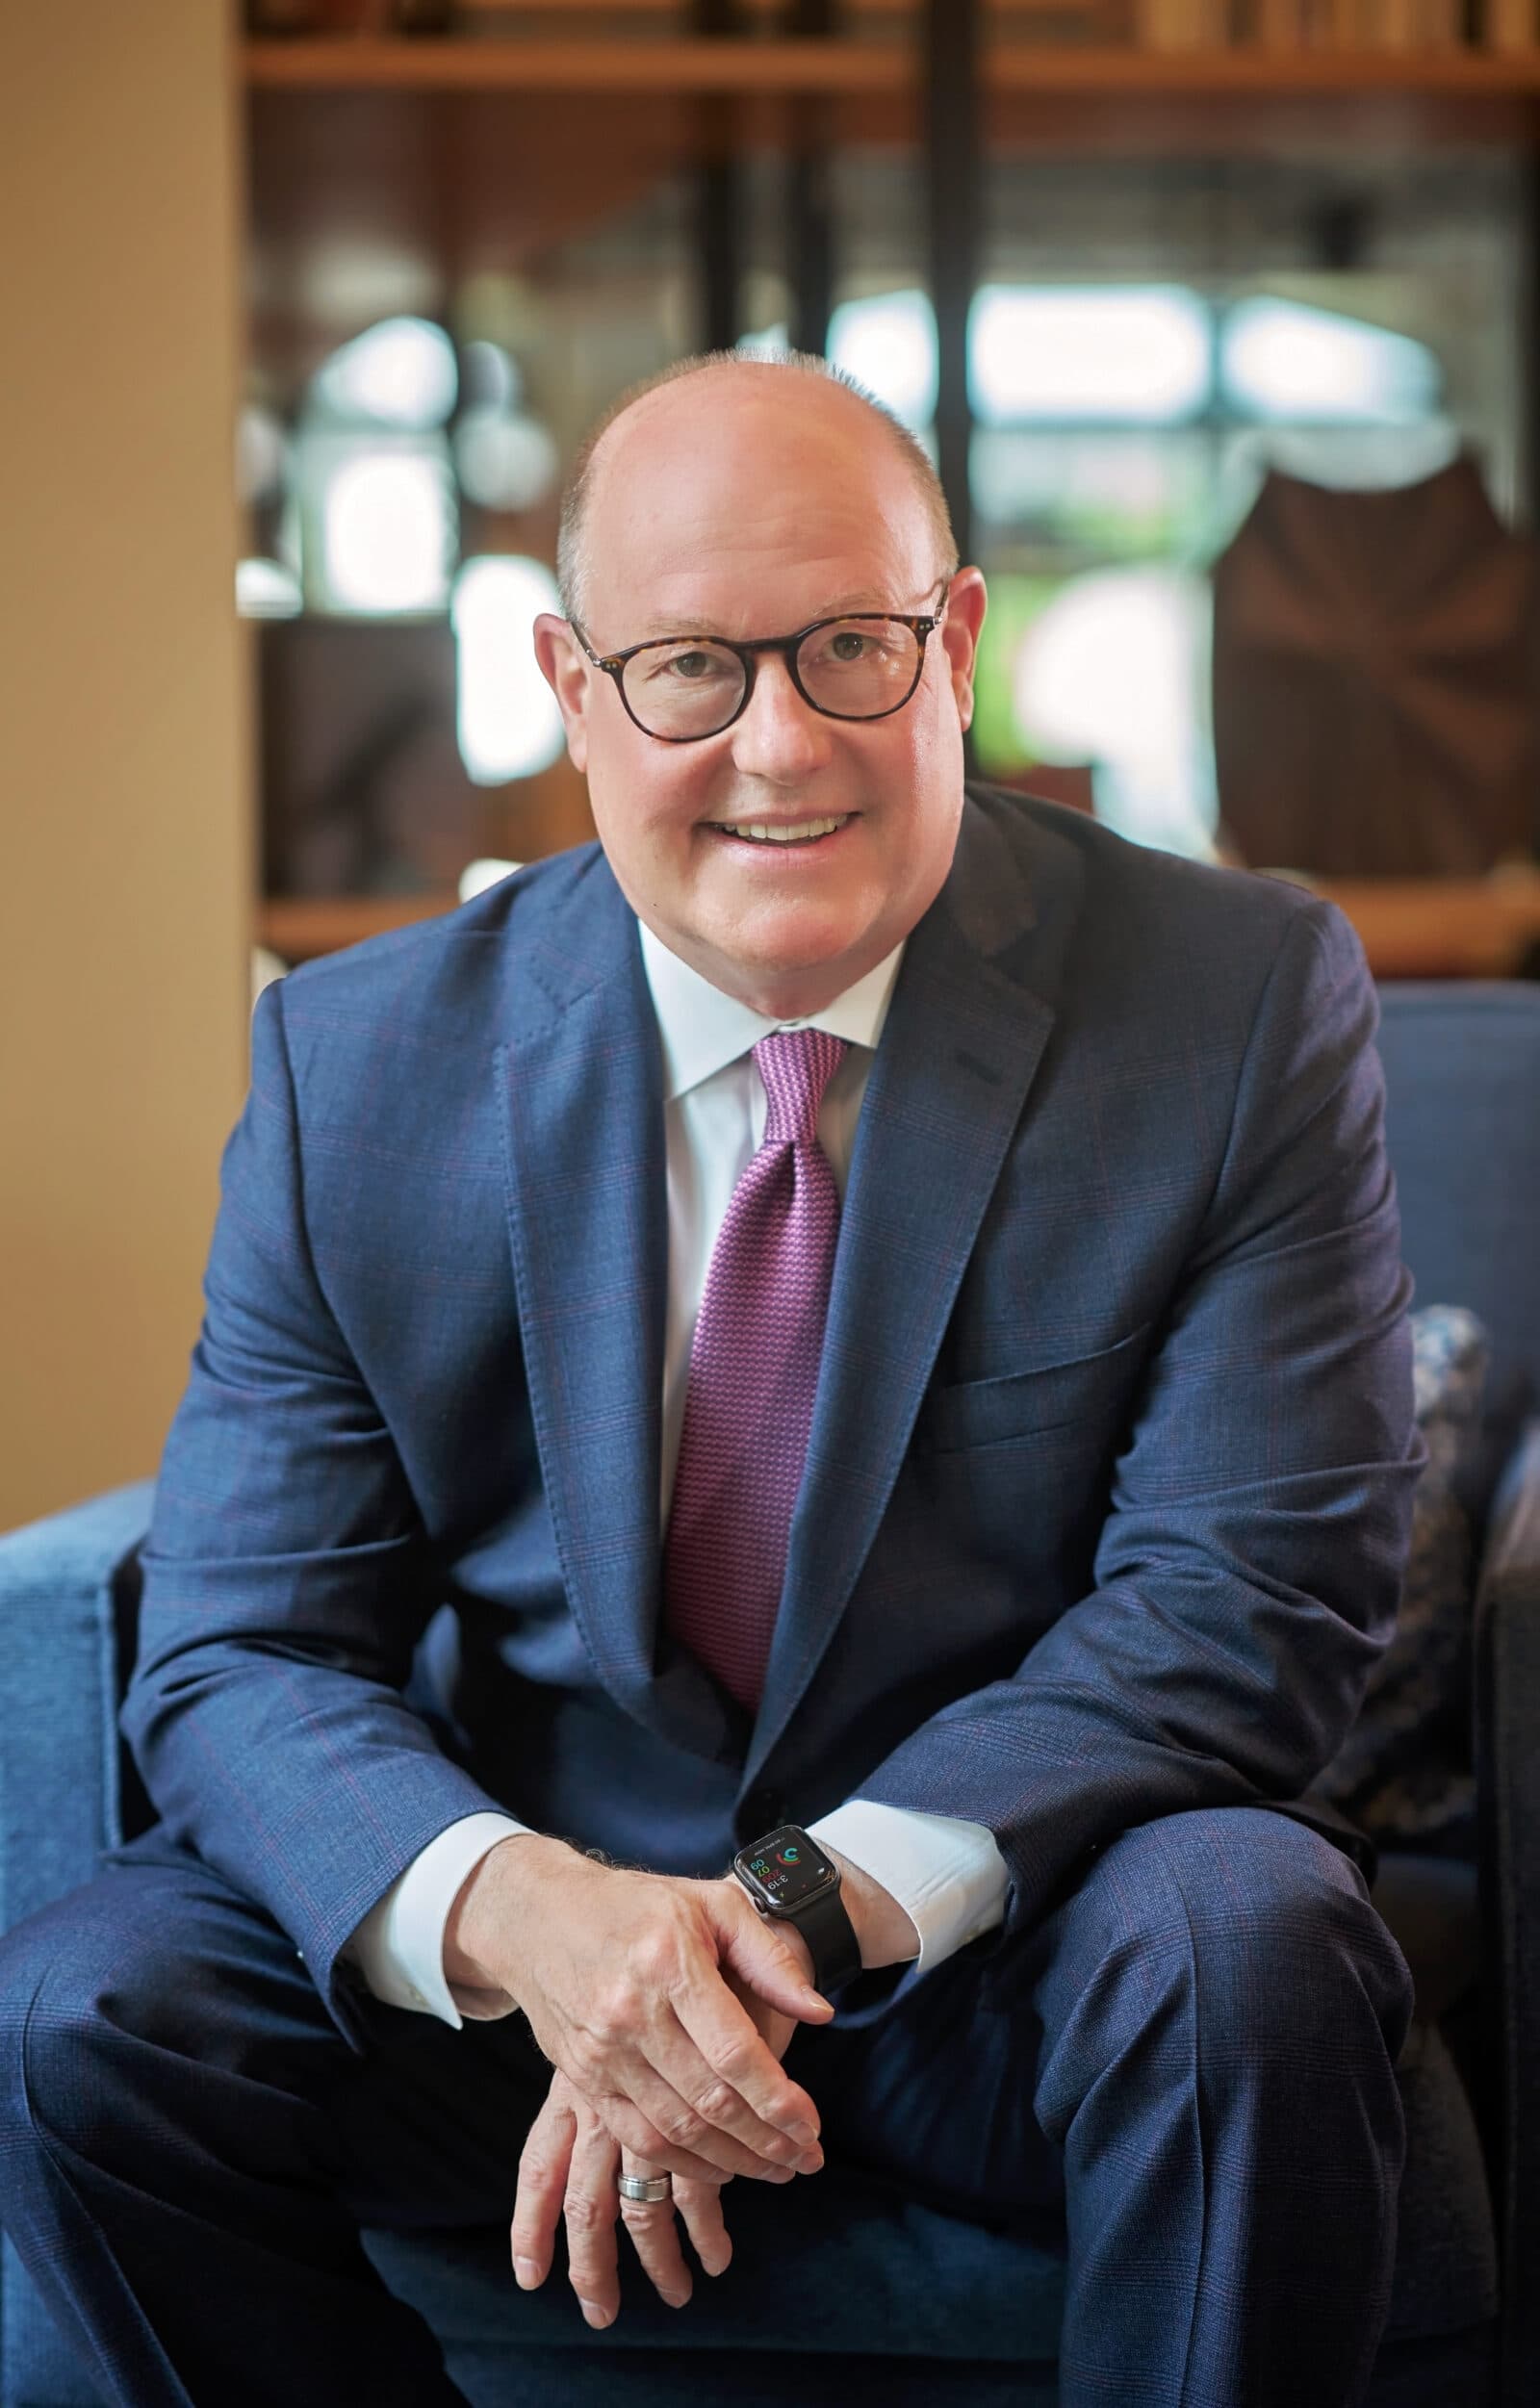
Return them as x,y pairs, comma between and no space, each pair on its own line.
1107,1485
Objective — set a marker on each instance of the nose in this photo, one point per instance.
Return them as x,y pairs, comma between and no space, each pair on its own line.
780,737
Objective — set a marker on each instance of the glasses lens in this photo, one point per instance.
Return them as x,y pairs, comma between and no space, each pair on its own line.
858,668
684,689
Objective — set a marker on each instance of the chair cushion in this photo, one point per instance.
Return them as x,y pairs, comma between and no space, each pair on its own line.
1431,1907
1405,1771
869,2271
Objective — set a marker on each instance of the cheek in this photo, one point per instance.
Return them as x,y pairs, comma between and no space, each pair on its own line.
926,768
644,806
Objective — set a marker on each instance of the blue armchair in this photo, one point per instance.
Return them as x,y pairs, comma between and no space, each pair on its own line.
891,2298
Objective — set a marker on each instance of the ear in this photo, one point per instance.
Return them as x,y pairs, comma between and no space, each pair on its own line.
564,665
966,605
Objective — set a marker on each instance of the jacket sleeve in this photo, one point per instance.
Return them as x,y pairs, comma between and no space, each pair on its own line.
1249,1569
287,1581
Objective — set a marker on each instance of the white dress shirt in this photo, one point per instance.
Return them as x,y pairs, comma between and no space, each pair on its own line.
947,1874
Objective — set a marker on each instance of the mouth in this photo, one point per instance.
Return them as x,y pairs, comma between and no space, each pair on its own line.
799,834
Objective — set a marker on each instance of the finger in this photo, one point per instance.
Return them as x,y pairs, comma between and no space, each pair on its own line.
590,2206
698,2207
760,1956
632,2129
543,2164
656,2237
698,2110
743,2067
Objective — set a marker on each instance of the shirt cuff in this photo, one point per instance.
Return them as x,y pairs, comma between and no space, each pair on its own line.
948,1874
399,1947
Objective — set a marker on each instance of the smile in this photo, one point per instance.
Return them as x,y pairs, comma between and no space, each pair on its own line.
785,832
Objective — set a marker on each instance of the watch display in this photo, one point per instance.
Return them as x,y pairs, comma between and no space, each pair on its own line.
787,1869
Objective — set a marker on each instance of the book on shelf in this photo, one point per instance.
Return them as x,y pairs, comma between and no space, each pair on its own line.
1368,25
1510,24
1395,24
1181,24
1278,24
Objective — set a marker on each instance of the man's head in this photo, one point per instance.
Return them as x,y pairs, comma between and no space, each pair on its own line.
743,499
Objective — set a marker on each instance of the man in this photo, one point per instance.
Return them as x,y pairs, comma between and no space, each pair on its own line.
879,1310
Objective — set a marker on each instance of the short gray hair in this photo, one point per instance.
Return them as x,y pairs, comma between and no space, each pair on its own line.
572,557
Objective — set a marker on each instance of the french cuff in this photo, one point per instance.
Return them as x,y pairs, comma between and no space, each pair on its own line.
948,1874
399,1947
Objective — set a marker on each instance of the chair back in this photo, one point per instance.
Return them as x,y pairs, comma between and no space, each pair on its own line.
1462,1118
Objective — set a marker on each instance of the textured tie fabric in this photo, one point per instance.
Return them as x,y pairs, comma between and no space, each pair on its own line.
754,1370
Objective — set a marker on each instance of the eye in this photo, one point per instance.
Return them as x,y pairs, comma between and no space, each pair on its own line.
850,647
692,664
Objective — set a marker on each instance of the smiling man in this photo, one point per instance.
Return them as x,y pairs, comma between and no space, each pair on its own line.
706,510
876,1308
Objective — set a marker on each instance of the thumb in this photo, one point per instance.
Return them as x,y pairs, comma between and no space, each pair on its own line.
765,1962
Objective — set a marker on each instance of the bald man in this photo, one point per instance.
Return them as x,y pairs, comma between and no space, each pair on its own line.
802,1443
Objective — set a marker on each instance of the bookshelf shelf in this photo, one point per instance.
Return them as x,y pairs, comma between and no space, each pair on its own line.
676,68
298,928
669,67
1410,928
1264,73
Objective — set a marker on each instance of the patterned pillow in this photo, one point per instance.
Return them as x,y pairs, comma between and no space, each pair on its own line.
1404,1773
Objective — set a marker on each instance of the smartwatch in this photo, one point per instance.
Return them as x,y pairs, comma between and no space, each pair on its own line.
791,1881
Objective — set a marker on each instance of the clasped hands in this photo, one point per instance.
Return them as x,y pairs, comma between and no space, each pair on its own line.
665,2006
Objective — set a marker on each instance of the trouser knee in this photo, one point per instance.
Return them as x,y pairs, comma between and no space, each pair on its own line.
1233,1940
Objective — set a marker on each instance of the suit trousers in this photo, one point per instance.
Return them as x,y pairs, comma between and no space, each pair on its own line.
1187,2066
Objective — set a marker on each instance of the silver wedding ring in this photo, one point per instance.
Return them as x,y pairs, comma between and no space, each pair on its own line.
650,2187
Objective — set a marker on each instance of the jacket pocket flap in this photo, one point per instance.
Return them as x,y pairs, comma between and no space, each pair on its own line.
983,1411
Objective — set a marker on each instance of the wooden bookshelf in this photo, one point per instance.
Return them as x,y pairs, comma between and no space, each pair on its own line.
481,151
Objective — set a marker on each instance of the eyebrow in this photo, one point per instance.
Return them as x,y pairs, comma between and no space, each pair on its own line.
657,628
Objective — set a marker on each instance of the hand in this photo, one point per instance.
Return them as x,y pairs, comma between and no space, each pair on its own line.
568,2167
628,1980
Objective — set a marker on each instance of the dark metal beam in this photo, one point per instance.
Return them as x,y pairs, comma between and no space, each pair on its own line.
809,201
954,148
1527,465
718,196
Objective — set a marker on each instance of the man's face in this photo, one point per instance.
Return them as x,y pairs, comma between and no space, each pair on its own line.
741,504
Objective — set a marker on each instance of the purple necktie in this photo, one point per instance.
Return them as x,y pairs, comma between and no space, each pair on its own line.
754,1370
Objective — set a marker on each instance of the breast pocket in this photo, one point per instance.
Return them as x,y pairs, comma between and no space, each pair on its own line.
1031,1403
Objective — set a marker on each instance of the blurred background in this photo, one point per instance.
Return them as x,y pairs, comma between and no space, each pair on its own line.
1218,316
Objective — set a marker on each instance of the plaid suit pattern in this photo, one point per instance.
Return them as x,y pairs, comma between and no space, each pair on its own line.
1117,1332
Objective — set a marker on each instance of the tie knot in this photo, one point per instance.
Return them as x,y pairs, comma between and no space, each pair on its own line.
796,1065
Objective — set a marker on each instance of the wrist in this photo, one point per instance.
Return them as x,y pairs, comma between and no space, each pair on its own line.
490,1904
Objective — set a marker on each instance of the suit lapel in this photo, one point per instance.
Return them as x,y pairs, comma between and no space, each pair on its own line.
582,1112
965,1036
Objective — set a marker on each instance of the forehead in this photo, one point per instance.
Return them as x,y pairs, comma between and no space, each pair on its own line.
720,504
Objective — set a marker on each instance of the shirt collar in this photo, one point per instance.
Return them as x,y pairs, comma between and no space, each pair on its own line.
703,1029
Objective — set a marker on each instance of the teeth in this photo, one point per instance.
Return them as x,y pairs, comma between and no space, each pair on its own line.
796,834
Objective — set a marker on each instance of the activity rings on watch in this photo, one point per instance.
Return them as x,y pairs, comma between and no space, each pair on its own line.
649,2188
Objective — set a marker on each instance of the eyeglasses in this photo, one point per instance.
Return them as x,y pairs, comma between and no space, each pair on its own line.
680,689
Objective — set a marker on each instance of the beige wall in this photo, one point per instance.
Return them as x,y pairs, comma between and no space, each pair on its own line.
124,832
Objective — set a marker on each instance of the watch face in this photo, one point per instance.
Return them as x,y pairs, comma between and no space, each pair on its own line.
787,1868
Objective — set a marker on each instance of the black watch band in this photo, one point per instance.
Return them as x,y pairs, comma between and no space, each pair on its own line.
826,1926
791,1880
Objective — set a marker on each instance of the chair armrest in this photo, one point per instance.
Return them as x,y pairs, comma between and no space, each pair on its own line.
60,1796
1507,1764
